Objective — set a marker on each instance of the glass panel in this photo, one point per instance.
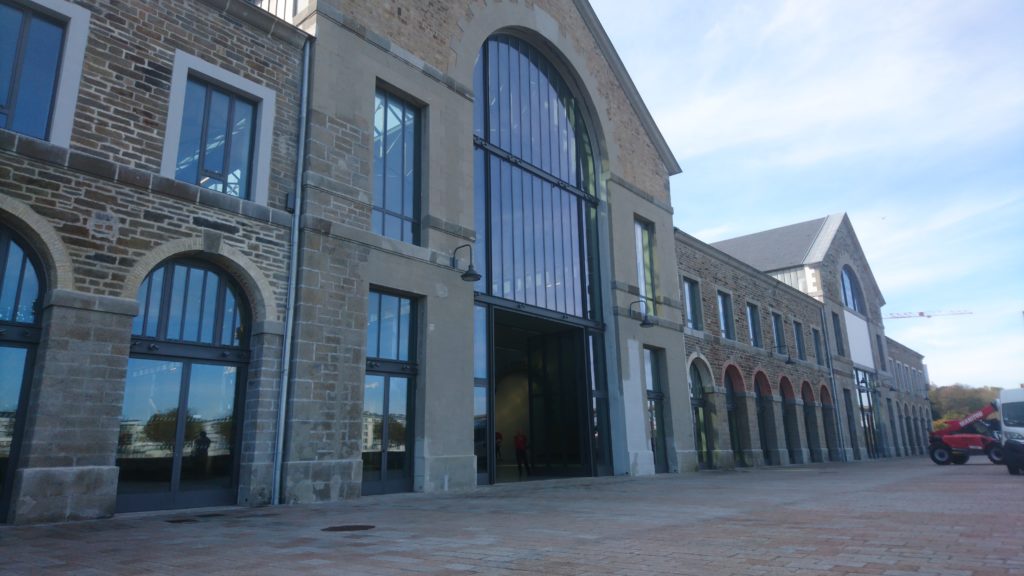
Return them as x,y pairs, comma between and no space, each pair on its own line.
529,241
26,311
191,132
394,152
404,312
142,298
379,132
11,378
515,134
11,280
392,224
495,226
479,342
149,425
242,130
480,430
504,131
177,305
156,280
209,428
397,434
209,310
10,30
373,326
38,81
479,101
480,218
388,327
517,235
492,92
229,320
373,426
193,310
410,165
216,134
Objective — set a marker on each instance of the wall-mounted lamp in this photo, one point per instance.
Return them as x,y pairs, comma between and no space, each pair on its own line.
470,275
789,357
645,319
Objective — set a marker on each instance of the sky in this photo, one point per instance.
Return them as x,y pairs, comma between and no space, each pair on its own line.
908,116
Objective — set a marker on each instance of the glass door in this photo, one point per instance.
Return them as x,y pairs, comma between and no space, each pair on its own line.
387,466
177,440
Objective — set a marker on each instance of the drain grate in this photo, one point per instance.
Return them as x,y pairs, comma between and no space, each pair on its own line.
181,520
348,528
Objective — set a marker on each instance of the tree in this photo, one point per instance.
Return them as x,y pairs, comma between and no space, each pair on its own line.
956,401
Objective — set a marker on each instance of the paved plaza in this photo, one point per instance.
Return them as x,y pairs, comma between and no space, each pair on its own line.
897,517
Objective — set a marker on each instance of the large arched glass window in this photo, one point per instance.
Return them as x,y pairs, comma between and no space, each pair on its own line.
535,182
20,293
179,439
853,298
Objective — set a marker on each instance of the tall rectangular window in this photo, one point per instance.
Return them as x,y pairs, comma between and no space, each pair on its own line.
837,329
645,264
817,347
694,318
779,333
725,318
31,48
798,335
396,171
215,144
754,325
389,327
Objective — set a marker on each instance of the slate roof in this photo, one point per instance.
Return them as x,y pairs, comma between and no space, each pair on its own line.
786,247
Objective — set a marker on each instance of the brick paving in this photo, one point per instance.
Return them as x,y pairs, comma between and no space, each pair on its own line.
897,517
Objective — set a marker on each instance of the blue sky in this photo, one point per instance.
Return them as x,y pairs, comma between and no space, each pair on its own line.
908,116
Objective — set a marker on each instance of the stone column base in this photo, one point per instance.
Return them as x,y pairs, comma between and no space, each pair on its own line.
322,480
442,473
61,494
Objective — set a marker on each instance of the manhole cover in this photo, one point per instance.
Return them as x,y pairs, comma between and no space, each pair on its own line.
348,528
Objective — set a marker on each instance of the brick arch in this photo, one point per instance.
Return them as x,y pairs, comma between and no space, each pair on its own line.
826,397
807,392
704,367
786,389
209,247
543,31
762,385
42,239
733,373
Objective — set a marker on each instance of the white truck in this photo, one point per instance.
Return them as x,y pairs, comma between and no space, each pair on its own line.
1011,412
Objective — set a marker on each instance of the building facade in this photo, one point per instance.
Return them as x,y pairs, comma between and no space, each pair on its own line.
823,259
271,252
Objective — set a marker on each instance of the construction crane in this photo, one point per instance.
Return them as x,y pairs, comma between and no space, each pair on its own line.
899,315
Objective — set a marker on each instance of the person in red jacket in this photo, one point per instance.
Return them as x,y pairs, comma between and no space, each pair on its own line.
521,459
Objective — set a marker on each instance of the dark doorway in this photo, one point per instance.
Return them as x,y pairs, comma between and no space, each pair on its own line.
540,399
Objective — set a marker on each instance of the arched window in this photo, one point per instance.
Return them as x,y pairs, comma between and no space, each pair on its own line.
853,298
178,442
535,196
702,424
20,294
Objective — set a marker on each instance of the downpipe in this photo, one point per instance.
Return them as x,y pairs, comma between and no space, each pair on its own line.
293,271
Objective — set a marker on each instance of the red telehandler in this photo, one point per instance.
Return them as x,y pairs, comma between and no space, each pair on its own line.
959,439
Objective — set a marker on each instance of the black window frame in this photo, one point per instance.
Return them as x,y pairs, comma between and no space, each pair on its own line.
205,173
409,192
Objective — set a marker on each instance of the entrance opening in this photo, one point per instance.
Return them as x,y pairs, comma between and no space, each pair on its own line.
540,421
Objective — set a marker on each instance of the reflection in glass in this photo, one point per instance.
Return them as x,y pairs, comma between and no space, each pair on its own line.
479,342
11,377
398,391
395,167
388,329
19,284
30,71
149,425
373,426
480,444
207,458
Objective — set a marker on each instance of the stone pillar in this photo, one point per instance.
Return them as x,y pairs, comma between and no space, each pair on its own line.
821,450
778,406
798,416
66,469
259,430
746,403
721,453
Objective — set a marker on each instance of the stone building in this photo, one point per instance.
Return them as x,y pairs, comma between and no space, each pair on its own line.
761,388
823,259
301,252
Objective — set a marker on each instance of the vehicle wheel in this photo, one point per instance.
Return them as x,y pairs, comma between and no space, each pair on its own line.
960,458
1013,470
995,454
940,454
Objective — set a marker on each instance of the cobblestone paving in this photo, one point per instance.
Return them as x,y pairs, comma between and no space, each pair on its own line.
897,517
